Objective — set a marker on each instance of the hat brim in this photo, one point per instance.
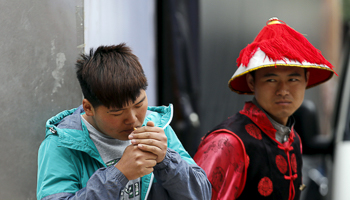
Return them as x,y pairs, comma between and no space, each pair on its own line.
238,83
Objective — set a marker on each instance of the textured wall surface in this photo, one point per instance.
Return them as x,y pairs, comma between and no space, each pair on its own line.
38,48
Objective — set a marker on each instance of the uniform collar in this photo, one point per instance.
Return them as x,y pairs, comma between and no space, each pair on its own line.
282,131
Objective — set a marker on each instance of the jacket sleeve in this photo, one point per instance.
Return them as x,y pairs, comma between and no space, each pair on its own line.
223,158
179,175
59,173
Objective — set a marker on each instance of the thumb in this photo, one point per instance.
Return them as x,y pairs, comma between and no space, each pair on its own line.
150,123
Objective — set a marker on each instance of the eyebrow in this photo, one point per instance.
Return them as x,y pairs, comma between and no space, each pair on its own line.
294,74
116,110
269,75
272,74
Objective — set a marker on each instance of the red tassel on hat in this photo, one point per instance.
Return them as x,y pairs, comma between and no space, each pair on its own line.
279,44
279,41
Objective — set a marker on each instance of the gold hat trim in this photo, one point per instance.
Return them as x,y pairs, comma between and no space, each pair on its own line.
273,65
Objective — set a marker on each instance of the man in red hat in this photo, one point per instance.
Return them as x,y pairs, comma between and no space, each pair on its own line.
256,153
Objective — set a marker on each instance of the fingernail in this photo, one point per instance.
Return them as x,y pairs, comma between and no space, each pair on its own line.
131,136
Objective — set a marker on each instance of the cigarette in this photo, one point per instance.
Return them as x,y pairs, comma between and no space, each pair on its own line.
135,128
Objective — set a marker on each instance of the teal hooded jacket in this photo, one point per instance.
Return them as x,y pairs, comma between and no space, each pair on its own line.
70,166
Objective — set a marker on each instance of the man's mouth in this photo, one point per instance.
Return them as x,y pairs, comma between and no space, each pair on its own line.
128,130
131,129
283,102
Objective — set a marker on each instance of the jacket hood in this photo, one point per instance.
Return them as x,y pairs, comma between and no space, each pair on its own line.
161,115
71,132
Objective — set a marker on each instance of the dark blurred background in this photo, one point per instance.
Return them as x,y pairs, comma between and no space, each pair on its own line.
187,47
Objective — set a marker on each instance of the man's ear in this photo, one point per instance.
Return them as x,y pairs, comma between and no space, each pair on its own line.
307,77
88,108
250,81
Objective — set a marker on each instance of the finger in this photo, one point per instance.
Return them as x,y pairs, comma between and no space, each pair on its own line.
151,142
147,129
157,151
152,149
150,123
159,141
144,155
151,161
141,135
153,158
148,170
149,135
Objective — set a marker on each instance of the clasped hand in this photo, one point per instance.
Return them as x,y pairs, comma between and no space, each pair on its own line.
148,147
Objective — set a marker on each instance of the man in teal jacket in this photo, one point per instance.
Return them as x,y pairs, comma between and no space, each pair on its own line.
108,148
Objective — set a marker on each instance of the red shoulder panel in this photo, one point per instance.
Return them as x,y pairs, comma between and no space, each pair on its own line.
223,157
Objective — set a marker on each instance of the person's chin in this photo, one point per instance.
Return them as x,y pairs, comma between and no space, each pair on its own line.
119,137
281,110
285,114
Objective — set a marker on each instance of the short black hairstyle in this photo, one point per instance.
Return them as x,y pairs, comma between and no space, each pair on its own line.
110,76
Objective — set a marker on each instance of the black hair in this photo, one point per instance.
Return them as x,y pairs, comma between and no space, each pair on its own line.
110,76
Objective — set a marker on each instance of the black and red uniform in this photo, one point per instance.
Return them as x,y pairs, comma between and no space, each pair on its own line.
243,160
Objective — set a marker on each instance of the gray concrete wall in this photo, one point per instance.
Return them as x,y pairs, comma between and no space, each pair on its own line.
38,49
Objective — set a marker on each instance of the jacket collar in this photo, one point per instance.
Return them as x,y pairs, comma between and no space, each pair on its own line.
73,134
162,115
260,118
282,131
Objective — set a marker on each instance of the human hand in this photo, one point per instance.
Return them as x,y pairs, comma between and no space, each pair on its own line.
136,163
151,139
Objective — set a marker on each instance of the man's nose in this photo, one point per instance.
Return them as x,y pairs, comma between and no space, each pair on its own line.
282,89
131,117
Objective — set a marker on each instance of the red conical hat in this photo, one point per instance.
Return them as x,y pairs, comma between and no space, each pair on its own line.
277,44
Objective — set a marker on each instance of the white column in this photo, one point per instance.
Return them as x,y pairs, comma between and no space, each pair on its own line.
133,22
